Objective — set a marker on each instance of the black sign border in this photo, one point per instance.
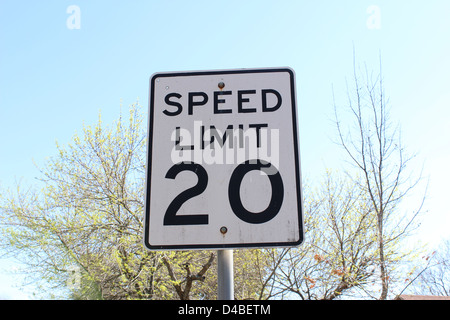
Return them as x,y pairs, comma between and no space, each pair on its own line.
153,79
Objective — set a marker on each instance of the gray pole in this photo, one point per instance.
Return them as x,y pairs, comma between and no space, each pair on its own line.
225,277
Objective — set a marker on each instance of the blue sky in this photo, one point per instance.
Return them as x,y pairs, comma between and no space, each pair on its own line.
53,78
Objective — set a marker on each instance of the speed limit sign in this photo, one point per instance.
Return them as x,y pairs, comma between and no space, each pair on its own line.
223,163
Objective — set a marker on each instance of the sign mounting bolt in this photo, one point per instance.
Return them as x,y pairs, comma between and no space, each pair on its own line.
223,230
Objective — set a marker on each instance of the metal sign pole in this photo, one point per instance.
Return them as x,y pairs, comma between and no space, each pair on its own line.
225,277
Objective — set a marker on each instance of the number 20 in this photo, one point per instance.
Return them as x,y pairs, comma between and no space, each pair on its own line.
171,218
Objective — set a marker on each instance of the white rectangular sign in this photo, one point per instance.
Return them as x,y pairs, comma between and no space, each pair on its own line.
223,163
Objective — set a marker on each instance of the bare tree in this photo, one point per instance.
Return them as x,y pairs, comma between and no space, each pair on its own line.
373,145
338,257
435,277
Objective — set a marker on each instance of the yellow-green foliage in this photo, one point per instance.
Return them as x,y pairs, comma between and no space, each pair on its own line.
89,214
